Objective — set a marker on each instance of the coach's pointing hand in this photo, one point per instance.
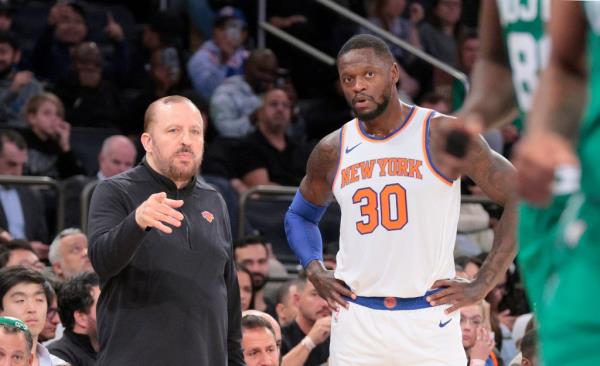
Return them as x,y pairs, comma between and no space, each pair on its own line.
328,287
157,211
457,292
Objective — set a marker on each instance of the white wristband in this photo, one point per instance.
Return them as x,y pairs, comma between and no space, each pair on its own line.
477,362
308,343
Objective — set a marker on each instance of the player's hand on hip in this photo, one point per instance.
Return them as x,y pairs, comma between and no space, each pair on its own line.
457,292
328,287
158,211
536,158
320,330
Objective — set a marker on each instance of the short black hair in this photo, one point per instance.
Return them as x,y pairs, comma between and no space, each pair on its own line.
76,295
10,38
9,246
284,290
250,240
255,321
12,276
362,41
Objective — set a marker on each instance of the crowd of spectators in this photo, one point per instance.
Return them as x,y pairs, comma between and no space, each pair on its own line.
76,78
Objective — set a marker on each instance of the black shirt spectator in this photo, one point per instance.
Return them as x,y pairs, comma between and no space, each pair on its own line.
292,335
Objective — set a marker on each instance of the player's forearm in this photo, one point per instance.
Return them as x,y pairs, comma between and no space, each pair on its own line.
503,250
559,102
491,96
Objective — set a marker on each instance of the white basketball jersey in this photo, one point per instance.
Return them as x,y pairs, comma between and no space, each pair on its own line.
399,213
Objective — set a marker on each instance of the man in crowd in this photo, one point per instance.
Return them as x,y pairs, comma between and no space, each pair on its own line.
16,87
77,307
161,243
19,253
25,295
258,341
22,210
69,254
285,308
310,328
251,253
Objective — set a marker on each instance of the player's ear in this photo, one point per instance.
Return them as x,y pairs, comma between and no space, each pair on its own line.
147,141
395,73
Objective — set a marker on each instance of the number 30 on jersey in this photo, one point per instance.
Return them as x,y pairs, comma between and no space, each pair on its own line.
386,208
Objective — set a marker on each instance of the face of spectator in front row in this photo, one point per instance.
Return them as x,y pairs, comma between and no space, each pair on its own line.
471,318
27,301
259,347
276,111
13,348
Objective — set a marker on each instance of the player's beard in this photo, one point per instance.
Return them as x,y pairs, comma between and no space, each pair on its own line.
381,107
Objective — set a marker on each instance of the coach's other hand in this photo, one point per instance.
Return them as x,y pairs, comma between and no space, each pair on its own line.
457,292
157,211
328,287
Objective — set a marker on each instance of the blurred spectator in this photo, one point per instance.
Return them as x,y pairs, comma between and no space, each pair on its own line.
6,16
90,100
267,156
245,283
478,341
16,87
162,31
22,209
285,308
167,77
529,349
258,342
251,253
77,301
19,253
220,57
310,329
67,28
468,51
49,139
436,102
16,341
387,14
69,254
234,103
25,294
117,155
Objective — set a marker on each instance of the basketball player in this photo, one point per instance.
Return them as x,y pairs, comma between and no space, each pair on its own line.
400,210
557,121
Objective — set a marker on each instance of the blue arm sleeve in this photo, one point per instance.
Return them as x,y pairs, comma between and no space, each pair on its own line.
301,228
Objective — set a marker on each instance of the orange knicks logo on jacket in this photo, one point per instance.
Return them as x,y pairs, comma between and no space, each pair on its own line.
208,216
400,167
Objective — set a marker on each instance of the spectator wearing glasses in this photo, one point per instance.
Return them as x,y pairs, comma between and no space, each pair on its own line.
69,254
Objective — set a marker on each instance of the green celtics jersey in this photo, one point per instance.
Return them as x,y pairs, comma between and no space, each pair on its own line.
526,43
589,145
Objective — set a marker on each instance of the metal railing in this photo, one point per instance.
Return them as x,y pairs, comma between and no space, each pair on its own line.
285,36
41,181
85,197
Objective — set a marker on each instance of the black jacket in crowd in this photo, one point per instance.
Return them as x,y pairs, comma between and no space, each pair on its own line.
167,299
74,348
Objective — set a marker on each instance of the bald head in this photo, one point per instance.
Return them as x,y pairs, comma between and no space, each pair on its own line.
117,155
150,115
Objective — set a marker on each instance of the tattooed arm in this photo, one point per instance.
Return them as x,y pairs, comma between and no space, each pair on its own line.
495,176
